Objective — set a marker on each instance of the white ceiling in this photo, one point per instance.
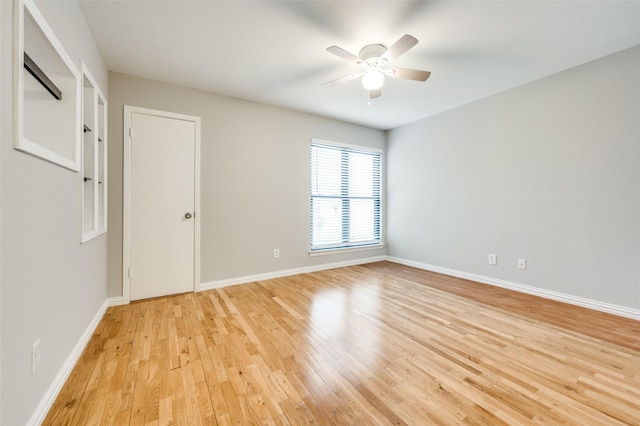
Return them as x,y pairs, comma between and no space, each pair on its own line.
274,52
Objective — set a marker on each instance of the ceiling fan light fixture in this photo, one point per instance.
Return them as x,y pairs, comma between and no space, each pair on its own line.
373,79
373,58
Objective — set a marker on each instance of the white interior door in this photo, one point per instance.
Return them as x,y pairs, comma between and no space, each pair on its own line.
162,204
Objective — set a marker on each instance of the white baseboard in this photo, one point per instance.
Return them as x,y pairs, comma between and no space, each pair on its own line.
286,273
115,301
50,396
547,294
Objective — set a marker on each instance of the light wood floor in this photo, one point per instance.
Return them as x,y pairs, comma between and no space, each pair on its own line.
372,344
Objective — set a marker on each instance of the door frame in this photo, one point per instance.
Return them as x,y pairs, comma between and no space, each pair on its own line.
126,195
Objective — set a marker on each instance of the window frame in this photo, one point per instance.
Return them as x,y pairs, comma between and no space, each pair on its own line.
345,245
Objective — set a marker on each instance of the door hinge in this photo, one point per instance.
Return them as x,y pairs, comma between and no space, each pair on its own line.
130,132
130,274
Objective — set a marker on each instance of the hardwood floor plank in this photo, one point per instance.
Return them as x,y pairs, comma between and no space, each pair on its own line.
165,414
379,344
611,328
178,403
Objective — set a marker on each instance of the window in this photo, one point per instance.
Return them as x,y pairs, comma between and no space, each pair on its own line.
345,196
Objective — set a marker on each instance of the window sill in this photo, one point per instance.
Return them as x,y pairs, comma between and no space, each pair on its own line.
324,252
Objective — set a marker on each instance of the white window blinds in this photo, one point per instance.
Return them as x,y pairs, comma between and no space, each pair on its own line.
345,197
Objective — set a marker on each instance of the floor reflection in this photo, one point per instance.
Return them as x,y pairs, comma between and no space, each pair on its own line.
347,320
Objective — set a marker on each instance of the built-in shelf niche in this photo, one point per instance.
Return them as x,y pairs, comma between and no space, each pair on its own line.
94,158
47,92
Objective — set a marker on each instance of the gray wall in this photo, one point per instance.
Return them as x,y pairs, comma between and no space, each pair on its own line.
549,171
52,286
254,180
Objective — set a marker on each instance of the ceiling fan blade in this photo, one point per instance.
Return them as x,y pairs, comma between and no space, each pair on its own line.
375,93
398,48
342,79
340,52
408,74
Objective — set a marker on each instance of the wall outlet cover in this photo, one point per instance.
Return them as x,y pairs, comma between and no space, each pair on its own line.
35,356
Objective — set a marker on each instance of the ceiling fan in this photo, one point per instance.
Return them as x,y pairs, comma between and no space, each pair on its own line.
373,58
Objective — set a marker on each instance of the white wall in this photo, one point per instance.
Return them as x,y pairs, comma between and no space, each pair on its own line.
255,178
52,286
549,172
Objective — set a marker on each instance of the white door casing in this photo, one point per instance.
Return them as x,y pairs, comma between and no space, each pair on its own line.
161,244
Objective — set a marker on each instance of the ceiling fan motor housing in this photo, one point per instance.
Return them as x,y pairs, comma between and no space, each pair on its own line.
372,53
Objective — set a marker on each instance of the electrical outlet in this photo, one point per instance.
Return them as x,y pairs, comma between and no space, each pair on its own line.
276,253
35,356
522,264
493,259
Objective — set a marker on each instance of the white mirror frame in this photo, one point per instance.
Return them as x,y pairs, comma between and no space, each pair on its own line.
21,143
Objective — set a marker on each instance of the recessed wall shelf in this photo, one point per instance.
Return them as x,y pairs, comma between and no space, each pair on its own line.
47,123
94,158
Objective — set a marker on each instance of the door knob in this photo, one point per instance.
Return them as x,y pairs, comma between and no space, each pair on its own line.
187,215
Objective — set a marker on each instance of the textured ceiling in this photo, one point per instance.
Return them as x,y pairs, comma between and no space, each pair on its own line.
274,52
